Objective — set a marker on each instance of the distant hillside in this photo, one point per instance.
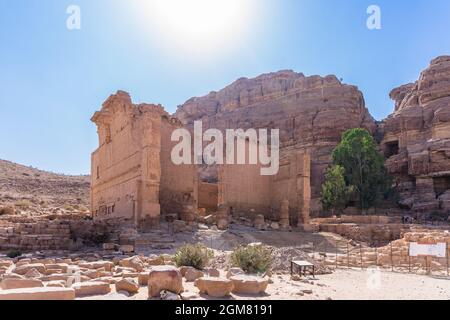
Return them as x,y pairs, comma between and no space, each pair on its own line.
35,191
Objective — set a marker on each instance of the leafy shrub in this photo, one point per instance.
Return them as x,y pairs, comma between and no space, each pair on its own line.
193,255
14,253
252,258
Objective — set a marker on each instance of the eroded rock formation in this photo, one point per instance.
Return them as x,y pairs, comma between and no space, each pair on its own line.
416,139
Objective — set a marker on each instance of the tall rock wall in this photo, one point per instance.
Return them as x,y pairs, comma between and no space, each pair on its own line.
416,139
311,113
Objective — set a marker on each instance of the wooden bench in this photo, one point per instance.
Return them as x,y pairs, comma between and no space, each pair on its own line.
302,267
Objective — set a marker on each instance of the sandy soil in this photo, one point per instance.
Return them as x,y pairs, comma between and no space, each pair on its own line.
341,285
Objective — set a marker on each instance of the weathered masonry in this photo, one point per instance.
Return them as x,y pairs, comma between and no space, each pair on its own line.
132,176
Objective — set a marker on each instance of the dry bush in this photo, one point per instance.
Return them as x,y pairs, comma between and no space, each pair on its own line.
68,207
193,255
23,204
252,258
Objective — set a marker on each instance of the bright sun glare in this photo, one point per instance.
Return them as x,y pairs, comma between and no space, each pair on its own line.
199,24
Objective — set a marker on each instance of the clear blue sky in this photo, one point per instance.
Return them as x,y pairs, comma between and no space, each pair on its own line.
52,79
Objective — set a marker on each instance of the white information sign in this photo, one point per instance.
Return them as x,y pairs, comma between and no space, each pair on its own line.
434,250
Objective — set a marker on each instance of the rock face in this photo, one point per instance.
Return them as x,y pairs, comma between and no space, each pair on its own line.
311,113
416,139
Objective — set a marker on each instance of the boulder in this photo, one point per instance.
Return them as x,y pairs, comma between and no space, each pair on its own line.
42,293
56,284
184,269
109,246
275,226
222,224
107,265
24,268
25,261
58,266
164,278
211,272
91,288
234,272
12,276
244,284
167,295
143,278
7,284
6,263
126,248
155,261
133,262
214,287
259,222
193,274
128,285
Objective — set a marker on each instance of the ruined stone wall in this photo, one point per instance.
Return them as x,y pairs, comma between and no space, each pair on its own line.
248,193
244,189
133,176
179,183
416,139
32,234
126,171
311,113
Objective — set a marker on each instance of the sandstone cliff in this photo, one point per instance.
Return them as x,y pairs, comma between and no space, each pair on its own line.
416,139
311,113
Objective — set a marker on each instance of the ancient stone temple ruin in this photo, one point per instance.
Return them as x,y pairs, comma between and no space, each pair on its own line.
132,176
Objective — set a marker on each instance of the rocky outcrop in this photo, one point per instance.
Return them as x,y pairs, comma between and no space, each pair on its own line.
416,139
311,113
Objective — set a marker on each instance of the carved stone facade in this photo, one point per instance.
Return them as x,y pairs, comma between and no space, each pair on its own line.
132,176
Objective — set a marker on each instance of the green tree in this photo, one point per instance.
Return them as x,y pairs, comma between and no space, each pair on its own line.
364,167
335,192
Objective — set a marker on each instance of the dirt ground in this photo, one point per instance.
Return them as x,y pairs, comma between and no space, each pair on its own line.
341,285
